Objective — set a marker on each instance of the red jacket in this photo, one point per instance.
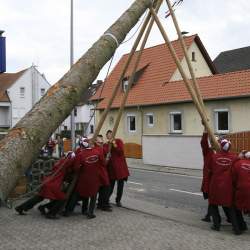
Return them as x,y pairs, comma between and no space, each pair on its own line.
103,171
52,188
207,153
241,183
117,166
220,186
88,163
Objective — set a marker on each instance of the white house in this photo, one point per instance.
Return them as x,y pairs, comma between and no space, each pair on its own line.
83,119
18,94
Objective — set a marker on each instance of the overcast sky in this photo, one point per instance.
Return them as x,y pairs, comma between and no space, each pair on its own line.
38,31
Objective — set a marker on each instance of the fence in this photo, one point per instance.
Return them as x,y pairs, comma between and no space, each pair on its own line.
240,141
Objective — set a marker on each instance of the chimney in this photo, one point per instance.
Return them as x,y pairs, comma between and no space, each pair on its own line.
2,53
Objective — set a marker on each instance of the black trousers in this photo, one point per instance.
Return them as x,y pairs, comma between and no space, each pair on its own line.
53,206
30,203
88,205
232,216
72,201
120,185
225,209
103,196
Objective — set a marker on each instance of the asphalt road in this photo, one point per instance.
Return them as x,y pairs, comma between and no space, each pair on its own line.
169,190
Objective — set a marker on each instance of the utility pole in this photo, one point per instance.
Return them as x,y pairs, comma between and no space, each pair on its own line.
72,116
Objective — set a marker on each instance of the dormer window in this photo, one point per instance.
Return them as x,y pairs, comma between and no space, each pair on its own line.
193,57
125,84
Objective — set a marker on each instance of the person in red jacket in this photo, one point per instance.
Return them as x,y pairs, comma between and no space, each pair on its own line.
220,186
51,189
103,194
117,166
207,153
89,163
241,184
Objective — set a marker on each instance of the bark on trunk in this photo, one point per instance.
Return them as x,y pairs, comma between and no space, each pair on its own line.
22,144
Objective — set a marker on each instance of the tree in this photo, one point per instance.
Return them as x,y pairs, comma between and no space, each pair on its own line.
22,144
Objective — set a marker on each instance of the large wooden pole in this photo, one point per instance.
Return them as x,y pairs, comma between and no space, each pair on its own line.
190,67
117,86
186,80
23,143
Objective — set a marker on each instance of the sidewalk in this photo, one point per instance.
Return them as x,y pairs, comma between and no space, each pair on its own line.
139,226
138,164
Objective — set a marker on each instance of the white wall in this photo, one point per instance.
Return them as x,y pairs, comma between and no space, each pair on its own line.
83,116
172,151
32,81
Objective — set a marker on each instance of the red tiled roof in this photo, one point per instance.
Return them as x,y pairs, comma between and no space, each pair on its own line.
6,81
153,87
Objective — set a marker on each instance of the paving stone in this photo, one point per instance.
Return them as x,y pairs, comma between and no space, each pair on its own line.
122,229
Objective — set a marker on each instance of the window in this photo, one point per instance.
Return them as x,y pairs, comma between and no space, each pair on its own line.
193,57
91,129
65,127
150,120
176,122
131,123
42,92
75,111
79,126
22,92
222,121
125,84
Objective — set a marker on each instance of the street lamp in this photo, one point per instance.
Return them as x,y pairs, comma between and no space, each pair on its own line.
72,116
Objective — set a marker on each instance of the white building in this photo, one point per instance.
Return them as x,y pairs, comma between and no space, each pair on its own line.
84,122
18,94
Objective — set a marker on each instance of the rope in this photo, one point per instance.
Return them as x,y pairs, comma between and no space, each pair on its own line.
10,201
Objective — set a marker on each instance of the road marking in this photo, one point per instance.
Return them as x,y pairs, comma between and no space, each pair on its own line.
159,172
136,183
186,192
137,189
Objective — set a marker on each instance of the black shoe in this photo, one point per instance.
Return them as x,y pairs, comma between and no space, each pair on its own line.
229,220
20,211
244,227
51,216
206,219
107,209
215,228
42,210
84,212
91,216
237,232
65,214
118,204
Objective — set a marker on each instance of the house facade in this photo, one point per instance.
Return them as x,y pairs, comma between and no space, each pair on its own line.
159,113
18,94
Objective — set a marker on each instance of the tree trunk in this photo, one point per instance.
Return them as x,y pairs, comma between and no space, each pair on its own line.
22,144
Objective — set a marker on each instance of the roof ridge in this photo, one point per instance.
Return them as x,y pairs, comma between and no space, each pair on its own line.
161,44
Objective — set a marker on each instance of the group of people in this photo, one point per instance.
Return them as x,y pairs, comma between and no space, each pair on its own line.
226,183
91,171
